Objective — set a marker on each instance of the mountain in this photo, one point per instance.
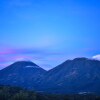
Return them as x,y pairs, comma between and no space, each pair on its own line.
22,73
79,75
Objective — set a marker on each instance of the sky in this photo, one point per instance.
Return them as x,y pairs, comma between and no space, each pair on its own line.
48,32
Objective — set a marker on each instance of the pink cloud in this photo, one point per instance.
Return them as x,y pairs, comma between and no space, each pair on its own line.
7,51
39,56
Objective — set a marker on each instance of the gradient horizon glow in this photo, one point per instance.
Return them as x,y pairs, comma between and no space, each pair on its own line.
48,32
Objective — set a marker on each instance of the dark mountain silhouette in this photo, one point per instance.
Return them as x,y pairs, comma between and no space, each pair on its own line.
80,75
22,73
73,76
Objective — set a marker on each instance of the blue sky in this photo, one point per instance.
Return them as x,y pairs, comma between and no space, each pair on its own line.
48,32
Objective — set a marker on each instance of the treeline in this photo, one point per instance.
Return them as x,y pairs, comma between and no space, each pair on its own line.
15,93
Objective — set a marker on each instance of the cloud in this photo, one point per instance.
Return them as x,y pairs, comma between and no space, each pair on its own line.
43,58
6,51
97,57
29,51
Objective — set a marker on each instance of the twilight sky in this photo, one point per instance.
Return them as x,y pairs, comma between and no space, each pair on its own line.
48,32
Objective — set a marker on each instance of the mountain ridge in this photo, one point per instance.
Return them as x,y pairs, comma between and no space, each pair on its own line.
77,75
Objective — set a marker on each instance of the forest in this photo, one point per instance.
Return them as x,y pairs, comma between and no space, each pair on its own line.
16,93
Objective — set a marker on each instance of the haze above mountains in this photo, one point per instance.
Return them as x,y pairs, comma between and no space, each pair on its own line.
79,75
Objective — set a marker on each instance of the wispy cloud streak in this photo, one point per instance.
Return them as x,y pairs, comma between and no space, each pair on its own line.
40,56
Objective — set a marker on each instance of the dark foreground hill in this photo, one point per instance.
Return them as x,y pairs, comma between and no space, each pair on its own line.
15,93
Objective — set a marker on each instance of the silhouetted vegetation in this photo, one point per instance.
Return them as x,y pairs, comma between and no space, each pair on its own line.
15,93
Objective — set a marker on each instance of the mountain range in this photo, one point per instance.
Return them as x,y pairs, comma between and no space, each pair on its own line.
80,75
